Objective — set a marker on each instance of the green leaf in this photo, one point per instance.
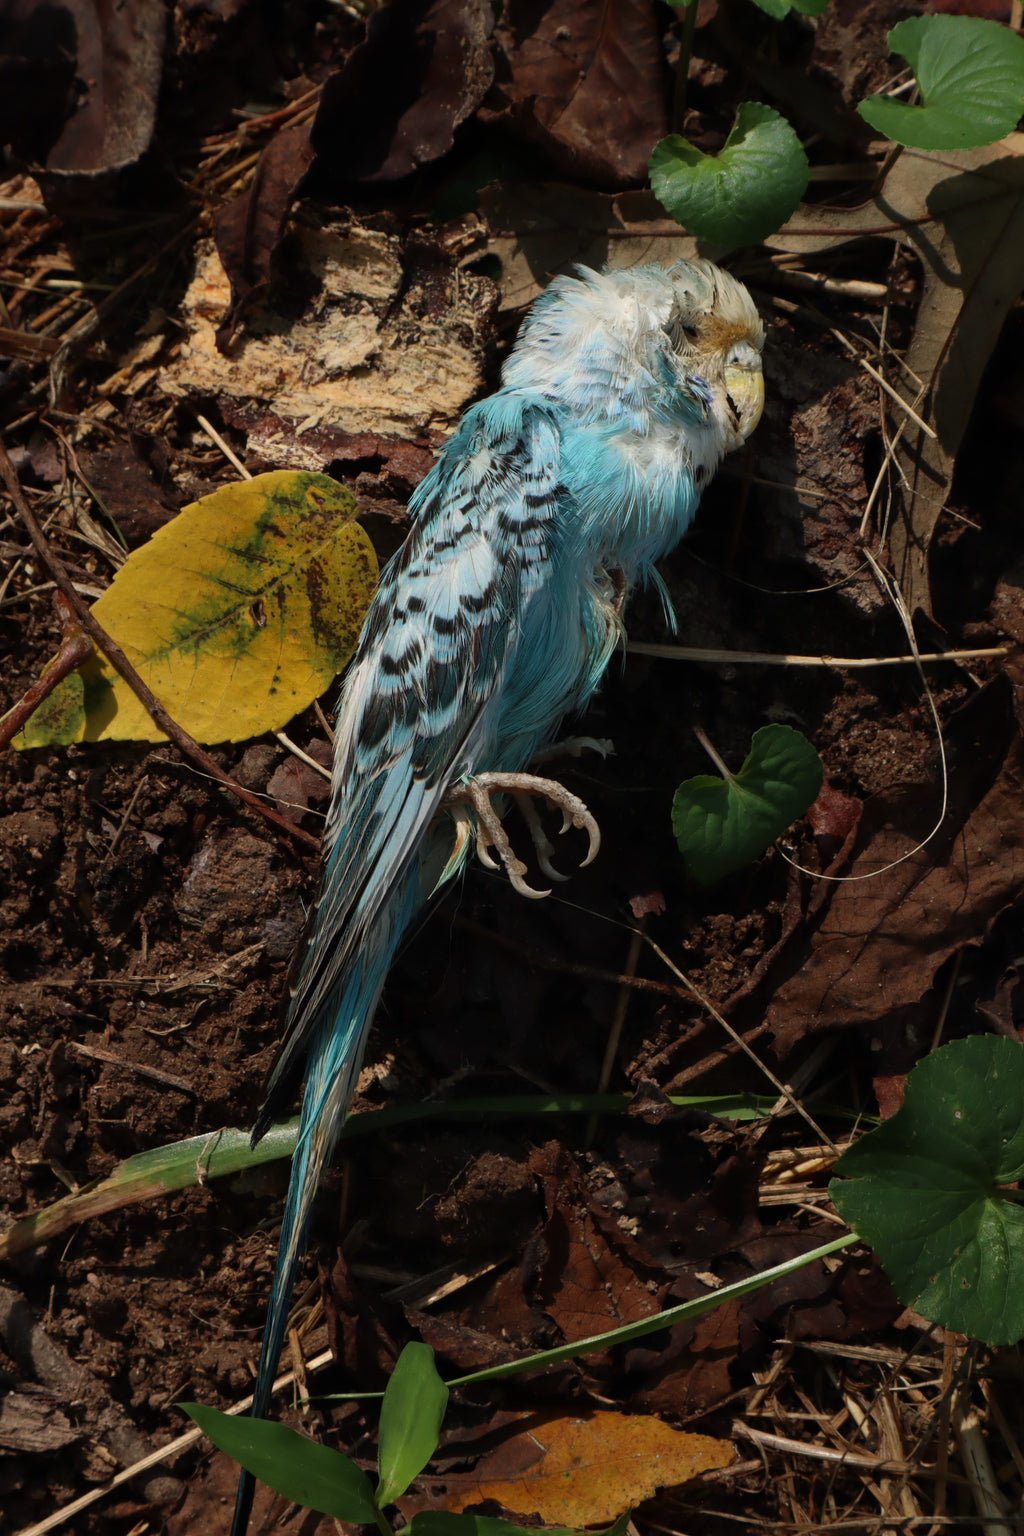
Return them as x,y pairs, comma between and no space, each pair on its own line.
971,77
780,9
722,824
309,1474
926,1189
743,193
433,1522
410,1421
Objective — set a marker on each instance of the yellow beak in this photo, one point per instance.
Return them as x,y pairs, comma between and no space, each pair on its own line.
746,391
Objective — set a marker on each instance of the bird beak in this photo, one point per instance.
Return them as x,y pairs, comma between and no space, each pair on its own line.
745,387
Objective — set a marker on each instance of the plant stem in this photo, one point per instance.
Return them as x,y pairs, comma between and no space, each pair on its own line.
709,749
683,65
383,1524
75,647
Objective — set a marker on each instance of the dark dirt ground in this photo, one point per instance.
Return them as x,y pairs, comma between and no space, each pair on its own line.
147,921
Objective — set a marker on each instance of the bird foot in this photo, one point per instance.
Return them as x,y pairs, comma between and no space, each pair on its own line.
474,794
574,746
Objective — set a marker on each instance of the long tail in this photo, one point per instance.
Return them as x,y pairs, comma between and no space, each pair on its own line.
334,1060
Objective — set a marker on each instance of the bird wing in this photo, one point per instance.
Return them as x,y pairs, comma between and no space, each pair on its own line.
424,692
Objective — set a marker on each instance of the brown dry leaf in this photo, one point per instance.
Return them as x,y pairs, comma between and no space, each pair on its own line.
882,940
591,1469
963,213
295,784
367,353
585,80
81,83
692,1372
248,229
588,1280
399,97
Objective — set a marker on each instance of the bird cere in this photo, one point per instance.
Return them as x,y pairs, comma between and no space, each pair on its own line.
493,623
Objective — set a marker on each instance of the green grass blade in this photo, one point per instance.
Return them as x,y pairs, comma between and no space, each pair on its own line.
638,1330
645,1325
179,1165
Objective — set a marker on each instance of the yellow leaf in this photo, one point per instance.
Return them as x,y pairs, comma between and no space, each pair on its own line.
591,1469
237,613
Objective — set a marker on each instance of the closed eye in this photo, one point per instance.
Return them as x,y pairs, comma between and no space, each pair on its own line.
743,355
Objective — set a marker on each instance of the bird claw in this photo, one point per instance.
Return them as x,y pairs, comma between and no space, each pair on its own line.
575,746
475,792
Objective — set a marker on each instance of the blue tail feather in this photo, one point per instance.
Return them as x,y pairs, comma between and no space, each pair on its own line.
335,1059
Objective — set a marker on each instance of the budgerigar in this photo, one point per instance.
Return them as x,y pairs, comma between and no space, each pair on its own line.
494,622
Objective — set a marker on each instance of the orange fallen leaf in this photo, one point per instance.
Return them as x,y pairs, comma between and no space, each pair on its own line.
591,1469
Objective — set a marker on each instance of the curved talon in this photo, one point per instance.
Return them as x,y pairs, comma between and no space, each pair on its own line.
489,834
575,746
541,841
476,792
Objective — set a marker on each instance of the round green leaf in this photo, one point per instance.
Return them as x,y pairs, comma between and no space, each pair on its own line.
971,77
410,1421
307,1473
927,1189
743,193
722,824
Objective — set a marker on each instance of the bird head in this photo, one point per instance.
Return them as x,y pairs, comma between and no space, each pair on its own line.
718,336
596,341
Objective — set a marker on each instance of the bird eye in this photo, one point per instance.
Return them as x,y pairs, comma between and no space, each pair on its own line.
743,355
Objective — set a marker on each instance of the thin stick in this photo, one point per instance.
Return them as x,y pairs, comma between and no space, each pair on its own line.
981,1474
225,448
611,1049
95,1054
884,383
561,967
328,727
709,749
303,757
75,647
824,1452
882,477
140,786
783,1088
119,661
783,659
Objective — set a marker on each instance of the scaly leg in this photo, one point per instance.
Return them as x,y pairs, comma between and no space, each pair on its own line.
475,794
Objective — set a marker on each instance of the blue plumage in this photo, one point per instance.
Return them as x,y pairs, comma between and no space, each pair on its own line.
496,620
